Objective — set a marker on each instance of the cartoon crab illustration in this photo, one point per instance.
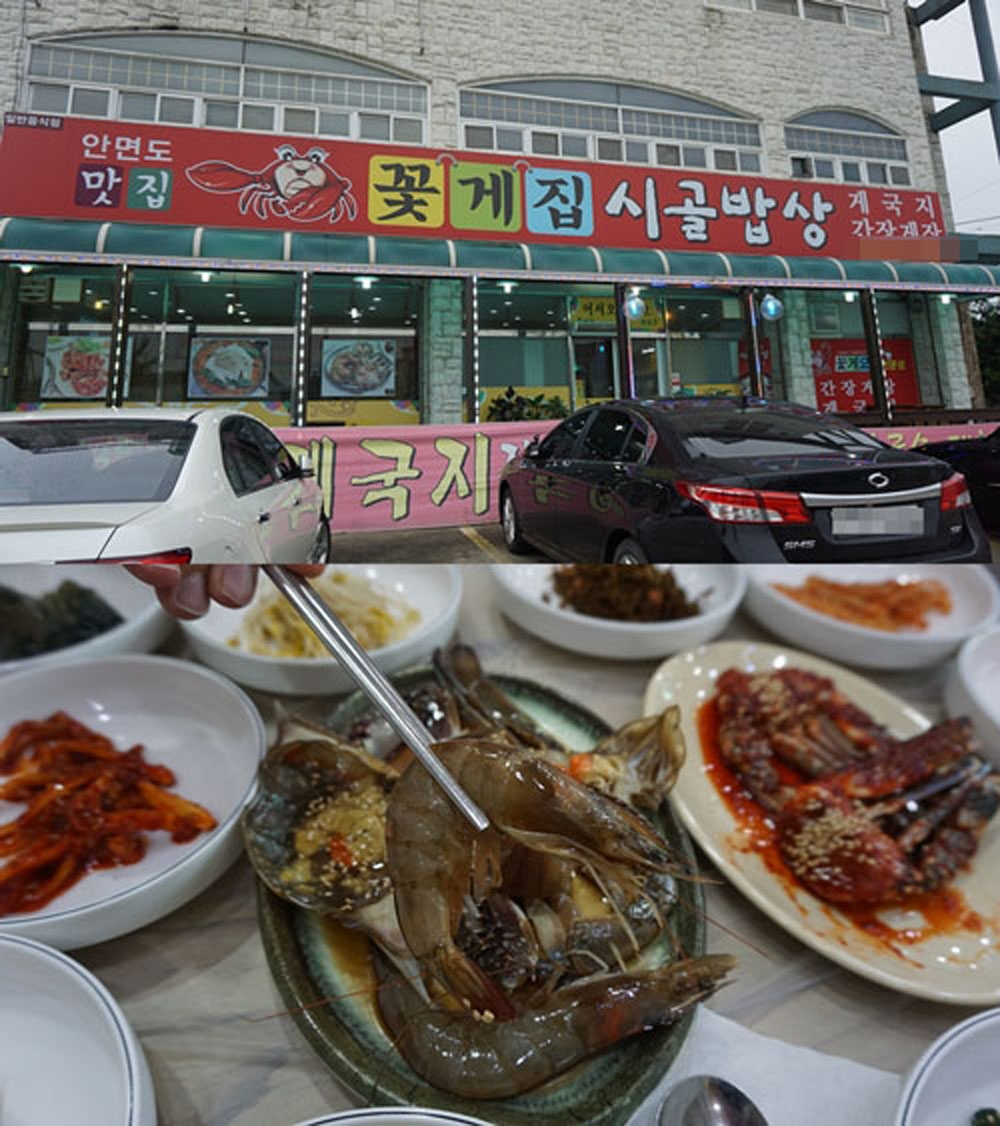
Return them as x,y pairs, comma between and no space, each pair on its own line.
302,187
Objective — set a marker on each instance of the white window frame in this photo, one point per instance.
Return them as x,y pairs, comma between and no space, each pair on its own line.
240,98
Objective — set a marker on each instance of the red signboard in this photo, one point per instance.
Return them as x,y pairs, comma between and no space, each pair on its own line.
843,383
107,170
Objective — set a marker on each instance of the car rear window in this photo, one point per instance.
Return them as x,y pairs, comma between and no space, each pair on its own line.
91,461
733,435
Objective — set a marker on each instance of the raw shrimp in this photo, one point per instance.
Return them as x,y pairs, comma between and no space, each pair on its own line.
483,703
637,763
435,857
477,1059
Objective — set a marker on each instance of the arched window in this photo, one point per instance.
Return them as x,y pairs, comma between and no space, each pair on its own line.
608,121
865,15
838,145
223,82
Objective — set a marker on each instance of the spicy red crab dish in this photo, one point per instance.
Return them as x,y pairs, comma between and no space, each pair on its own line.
832,800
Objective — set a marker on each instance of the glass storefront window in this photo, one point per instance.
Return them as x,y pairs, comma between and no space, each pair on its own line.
214,335
838,352
55,333
921,341
363,349
523,340
687,342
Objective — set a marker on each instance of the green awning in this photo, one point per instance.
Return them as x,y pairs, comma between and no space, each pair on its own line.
757,266
688,263
50,234
226,248
868,270
257,246
411,252
930,273
353,250
636,262
563,259
489,255
142,240
961,274
815,269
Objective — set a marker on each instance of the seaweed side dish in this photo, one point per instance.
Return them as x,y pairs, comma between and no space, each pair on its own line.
65,616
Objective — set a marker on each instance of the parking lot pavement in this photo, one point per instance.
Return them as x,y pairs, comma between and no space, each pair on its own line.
478,543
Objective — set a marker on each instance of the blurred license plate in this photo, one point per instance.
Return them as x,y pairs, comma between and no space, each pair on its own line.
892,520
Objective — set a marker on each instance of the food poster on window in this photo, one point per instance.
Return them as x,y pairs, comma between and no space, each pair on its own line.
843,383
114,171
227,367
78,367
358,368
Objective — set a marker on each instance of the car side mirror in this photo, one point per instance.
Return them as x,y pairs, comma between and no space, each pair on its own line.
306,466
532,449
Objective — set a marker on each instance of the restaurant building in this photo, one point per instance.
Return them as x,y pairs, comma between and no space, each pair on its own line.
378,215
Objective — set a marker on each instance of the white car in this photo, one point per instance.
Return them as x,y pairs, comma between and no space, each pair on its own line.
154,485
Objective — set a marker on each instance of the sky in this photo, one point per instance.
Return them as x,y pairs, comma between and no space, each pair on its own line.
970,149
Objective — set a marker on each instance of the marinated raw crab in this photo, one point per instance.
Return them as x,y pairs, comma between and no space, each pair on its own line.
861,817
546,937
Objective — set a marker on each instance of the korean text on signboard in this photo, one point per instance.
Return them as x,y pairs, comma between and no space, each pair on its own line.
141,173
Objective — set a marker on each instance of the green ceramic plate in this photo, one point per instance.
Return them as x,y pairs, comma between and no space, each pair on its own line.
325,976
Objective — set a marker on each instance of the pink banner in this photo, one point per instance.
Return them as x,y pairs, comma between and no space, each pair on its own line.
911,437
414,476
375,478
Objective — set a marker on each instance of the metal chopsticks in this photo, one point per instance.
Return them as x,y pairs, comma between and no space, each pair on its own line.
362,670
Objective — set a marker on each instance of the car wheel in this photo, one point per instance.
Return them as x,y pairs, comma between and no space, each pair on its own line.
511,524
321,545
628,551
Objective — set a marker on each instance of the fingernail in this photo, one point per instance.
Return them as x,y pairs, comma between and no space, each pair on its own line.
191,594
236,583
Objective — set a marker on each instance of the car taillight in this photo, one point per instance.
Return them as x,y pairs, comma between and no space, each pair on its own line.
179,555
955,493
746,506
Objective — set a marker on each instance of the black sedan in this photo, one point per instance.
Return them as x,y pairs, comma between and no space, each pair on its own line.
734,480
978,460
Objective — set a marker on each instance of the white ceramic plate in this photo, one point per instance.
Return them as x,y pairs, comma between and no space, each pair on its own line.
956,1076
395,1116
436,591
961,968
975,596
188,718
145,625
67,1053
972,688
521,594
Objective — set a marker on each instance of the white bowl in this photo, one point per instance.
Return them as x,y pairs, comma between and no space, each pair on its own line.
522,589
436,591
974,591
973,688
144,626
394,1116
192,720
67,1053
956,1076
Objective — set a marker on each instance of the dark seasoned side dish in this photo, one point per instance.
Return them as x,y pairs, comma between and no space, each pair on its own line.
641,593
65,616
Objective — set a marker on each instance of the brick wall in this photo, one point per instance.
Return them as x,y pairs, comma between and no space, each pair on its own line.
769,66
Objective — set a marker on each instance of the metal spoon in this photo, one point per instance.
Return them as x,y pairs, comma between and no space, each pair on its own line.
370,679
707,1100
